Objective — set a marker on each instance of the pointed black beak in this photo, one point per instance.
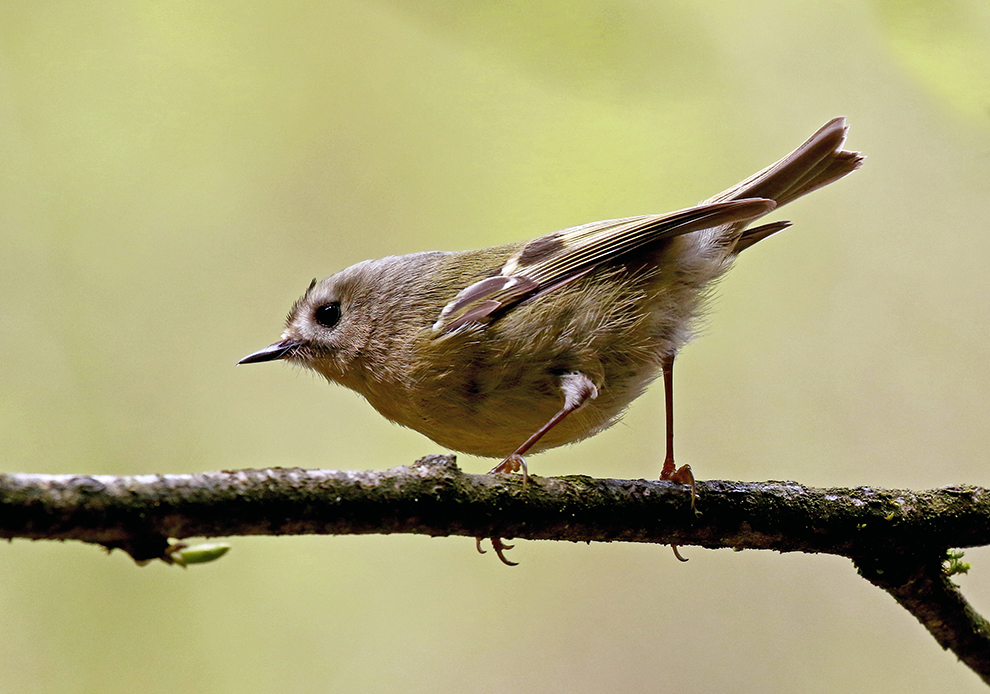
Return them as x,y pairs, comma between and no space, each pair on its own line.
280,350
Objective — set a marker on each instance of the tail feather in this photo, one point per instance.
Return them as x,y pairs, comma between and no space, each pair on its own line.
816,163
751,236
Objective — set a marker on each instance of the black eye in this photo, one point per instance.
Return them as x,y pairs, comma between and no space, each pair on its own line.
327,315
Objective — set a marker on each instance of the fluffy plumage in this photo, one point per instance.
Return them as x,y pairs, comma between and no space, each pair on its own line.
479,350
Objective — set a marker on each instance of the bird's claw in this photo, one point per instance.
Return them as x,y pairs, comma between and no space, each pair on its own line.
514,463
683,475
499,548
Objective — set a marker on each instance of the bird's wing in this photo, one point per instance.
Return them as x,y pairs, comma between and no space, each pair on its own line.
552,261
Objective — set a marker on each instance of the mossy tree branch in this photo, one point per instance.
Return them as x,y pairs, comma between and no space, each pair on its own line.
897,539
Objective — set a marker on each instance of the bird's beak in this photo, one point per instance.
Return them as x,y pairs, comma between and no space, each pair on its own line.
280,350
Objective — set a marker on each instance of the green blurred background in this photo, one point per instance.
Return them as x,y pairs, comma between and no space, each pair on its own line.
174,173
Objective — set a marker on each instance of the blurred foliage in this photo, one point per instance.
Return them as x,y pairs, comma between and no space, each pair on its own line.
175,173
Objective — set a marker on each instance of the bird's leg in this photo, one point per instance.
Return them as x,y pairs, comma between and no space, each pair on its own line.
681,474
578,390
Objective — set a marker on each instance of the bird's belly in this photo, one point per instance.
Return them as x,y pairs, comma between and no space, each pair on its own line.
497,424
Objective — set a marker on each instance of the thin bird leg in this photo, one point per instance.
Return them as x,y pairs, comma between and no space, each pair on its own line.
578,389
515,461
682,474
668,407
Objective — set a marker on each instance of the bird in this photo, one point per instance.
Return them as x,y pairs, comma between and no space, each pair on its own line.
510,350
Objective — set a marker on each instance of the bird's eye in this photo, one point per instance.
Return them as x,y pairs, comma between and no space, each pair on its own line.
327,315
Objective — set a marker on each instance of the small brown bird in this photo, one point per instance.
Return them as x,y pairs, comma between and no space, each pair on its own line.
523,347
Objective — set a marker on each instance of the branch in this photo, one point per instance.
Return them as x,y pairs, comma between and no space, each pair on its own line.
897,538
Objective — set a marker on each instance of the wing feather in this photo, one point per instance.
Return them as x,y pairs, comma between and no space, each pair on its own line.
554,260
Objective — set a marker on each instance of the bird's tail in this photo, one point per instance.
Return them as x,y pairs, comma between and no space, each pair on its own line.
818,162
